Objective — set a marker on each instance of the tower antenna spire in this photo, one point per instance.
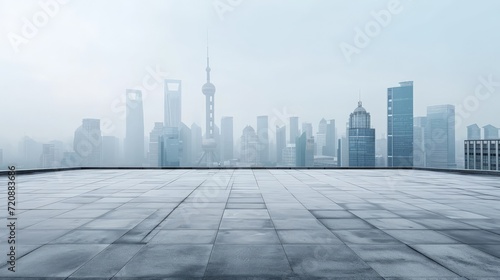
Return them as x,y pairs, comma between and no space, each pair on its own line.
208,61
359,100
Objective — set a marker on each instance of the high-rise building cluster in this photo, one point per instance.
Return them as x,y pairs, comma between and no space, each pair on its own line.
421,141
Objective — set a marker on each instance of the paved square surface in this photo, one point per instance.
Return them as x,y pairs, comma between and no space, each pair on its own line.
254,224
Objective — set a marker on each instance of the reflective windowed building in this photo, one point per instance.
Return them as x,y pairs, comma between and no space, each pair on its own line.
400,125
482,154
361,139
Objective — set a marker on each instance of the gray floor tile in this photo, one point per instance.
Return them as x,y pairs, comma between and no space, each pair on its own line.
338,224
249,236
246,224
400,261
84,236
190,236
54,260
298,224
365,236
108,262
298,236
327,261
254,261
328,214
160,260
473,236
462,259
421,237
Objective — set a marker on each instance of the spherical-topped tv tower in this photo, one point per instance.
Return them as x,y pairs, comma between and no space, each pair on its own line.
209,144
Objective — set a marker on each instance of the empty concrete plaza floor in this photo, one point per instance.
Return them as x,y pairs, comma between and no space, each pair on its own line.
265,224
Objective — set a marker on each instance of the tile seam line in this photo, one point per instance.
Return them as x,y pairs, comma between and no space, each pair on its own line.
230,184
126,233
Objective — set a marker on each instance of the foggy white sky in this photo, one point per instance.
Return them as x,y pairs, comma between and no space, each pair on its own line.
268,57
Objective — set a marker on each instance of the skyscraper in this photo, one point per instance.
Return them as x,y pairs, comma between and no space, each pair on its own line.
361,139
226,135
185,145
440,137
209,143
110,151
249,141
154,145
263,136
308,129
330,148
321,138
173,103
134,135
29,153
473,132
196,143
294,129
87,143
490,132
280,143
170,147
419,126
304,151
47,159
400,125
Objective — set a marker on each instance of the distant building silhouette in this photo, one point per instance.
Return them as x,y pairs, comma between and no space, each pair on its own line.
110,151
400,125
473,132
330,147
294,129
29,152
419,126
172,103
134,134
308,129
304,151
48,157
196,143
87,143
280,143
263,136
490,132
321,138
227,139
361,139
289,155
249,154
170,147
209,156
186,151
154,144
440,137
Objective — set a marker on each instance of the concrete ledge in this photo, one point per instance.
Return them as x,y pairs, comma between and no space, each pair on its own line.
455,171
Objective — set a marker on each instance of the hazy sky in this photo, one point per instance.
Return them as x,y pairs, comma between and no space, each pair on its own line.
268,57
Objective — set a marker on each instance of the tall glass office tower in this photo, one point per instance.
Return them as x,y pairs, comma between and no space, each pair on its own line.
440,137
400,125
263,136
361,139
134,135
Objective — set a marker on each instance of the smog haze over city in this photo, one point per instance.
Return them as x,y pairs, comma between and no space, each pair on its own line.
64,61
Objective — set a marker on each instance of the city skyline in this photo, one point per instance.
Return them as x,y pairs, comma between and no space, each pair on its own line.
236,44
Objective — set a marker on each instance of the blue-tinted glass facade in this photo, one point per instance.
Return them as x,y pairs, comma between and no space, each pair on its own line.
362,147
400,125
